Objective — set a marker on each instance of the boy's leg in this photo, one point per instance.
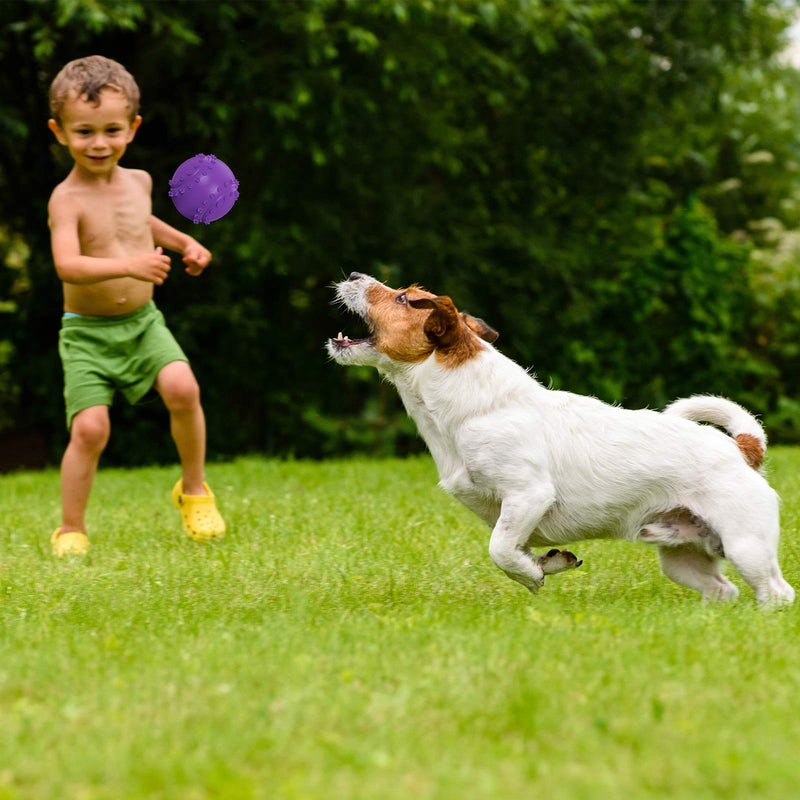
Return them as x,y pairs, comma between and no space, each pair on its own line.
179,390
177,386
88,437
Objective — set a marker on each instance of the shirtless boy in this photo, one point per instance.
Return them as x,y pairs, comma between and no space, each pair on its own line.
107,250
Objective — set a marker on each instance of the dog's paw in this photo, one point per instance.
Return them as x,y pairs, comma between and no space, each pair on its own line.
554,561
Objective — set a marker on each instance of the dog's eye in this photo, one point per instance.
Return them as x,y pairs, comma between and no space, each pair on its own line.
402,299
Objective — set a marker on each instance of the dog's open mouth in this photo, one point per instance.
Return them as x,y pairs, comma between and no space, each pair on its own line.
342,342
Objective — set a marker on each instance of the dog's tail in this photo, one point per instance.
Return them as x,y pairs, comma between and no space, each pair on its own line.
740,424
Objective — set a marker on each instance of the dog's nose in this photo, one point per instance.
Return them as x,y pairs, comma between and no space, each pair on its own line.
354,276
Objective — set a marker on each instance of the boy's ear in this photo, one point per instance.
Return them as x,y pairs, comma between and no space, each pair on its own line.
134,127
57,132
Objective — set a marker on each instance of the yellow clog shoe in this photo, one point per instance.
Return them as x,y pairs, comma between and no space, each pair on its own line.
72,543
201,519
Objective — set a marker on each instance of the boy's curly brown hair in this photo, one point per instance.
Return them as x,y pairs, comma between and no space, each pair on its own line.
86,77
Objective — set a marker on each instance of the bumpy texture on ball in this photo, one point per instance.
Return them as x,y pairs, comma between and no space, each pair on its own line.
203,188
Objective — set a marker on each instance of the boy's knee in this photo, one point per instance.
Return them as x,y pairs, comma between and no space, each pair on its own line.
178,387
183,395
91,429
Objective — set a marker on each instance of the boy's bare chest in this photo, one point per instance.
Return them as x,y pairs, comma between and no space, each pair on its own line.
116,224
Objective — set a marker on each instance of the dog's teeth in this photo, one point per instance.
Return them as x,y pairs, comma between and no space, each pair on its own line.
340,337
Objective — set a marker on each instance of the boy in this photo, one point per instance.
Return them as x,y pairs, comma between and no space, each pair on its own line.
107,250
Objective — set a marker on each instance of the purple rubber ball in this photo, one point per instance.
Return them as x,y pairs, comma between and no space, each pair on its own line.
203,188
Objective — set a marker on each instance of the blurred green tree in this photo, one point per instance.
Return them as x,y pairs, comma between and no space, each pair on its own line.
538,161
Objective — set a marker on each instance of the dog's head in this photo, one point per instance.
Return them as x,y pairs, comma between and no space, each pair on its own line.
406,325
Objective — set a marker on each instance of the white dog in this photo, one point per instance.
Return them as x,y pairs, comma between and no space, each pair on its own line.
545,467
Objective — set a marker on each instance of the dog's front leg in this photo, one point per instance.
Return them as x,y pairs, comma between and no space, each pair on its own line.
520,513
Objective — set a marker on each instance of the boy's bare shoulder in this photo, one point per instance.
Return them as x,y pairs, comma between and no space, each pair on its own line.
142,177
63,189
64,196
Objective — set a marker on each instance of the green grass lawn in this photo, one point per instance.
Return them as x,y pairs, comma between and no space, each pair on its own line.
351,639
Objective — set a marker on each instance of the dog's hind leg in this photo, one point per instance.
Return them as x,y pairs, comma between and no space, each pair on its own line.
679,526
757,562
519,515
696,569
749,532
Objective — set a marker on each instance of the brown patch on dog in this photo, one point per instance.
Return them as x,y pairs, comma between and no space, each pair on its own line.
450,332
399,328
751,449
409,324
477,325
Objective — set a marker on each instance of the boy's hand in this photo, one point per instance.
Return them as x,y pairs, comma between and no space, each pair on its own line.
153,267
196,257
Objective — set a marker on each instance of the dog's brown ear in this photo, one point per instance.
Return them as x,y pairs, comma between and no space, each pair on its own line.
441,326
477,325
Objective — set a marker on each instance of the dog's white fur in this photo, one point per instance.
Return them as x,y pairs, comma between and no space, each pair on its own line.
546,467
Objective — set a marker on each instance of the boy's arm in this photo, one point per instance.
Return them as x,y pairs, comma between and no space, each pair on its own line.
167,236
195,256
72,267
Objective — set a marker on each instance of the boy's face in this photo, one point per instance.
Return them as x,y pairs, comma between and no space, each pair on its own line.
96,135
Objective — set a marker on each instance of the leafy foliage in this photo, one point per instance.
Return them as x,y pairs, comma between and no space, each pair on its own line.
585,175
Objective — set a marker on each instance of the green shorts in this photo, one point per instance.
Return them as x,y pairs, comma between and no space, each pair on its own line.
101,355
